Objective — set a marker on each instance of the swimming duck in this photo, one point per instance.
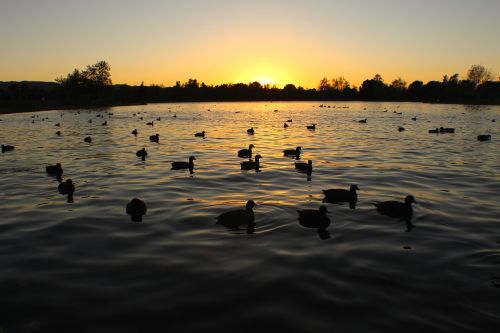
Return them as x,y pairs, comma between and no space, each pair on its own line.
292,152
289,121
341,195
396,208
7,148
434,131
401,128
184,165
234,218
58,133
88,139
105,123
136,208
314,218
142,154
200,134
311,127
90,121
134,132
155,138
414,118
484,137
58,124
285,125
250,131
66,187
150,123
304,167
249,165
446,130
246,152
54,169
158,119
362,121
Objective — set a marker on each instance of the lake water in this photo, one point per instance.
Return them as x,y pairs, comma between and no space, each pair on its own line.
86,267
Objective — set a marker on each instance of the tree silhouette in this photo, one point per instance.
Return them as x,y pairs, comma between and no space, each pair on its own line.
478,74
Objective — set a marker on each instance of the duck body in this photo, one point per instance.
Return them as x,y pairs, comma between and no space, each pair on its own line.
105,123
142,153
200,134
292,152
54,169
397,209
484,137
246,153
184,165
434,131
285,125
314,218
250,165
136,208
341,195
88,139
235,218
251,131
66,187
311,127
304,167
401,128
7,148
363,121
134,132
155,138
446,130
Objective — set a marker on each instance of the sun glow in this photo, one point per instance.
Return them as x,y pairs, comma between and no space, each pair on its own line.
263,80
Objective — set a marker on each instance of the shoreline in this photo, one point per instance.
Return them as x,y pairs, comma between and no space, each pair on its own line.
38,106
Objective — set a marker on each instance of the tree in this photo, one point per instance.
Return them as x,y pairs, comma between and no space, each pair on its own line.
340,84
399,84
478,74
97,75
324,85
378,78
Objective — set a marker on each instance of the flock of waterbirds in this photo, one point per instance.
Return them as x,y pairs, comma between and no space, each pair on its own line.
234,219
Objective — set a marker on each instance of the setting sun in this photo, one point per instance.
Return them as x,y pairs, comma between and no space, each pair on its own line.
265,80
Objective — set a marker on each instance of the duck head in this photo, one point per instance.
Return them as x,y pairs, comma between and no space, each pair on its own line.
409,200
354,188
250,204
191,159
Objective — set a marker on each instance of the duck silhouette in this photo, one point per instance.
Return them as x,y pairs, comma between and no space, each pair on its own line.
200,134
341,195
446,130
317,219
184,165
151,123
414,118
136,208
311,127
402,210
235,218
251,131
484,137
155,138
134,132
285,125
304,167
105,123
401,128
88,139
66,187
250,165
142,154
293,152
7,148
246,152
362,121
58,133
434,131
54,170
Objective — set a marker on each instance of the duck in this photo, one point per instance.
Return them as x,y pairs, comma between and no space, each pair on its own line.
401,128
7,148
142,154
58,125
251,131
304,167
314,218
105,123
246,152
341,195
235,218
134,132
289,121
158,119
292,152
136,208
184,165
66,187
434,131
414,118
249,165
88,139
397,209
285,125
155,138
311,127
54,169
90,121
484,137
151,123
200,134
362,121
58,133
446,130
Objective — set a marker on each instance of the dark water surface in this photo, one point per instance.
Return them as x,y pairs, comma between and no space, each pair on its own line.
86,267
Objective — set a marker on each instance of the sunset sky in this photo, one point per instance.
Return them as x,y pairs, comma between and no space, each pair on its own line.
273,41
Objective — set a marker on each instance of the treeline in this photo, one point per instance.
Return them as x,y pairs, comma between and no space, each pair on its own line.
93,86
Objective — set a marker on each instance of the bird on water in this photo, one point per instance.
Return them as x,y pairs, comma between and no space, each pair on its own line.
235,218
246,152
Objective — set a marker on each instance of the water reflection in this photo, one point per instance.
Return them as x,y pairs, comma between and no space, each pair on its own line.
136,208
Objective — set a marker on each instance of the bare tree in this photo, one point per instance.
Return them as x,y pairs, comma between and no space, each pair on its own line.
478,74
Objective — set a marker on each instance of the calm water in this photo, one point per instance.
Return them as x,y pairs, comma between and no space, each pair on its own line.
85,267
